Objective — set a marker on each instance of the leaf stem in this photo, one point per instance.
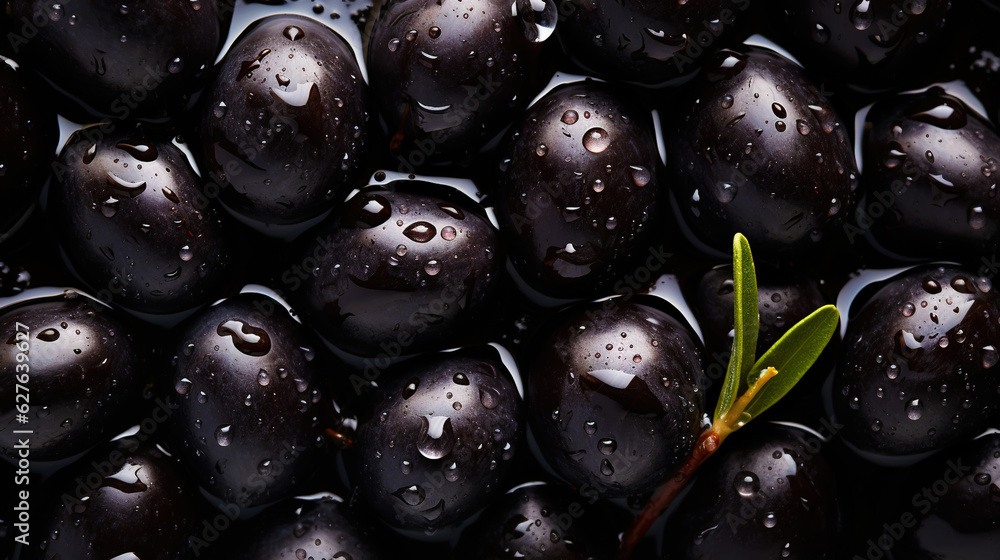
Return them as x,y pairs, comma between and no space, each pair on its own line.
708,443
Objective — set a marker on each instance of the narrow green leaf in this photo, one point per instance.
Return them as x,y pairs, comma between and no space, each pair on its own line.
745,327
792,356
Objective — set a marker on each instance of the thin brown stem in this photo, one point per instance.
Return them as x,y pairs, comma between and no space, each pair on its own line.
706,446
708,443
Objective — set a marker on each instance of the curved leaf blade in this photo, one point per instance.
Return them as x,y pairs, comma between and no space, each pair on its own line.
745,327
792,356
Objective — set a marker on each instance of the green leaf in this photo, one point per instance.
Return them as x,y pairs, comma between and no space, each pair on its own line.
745,327
792,356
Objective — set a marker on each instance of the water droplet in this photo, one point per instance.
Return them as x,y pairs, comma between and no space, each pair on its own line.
448,233
175,66
590,427
914,410
780,126
942,111
220,110
932,287
434,32
977,219
606,468
640,175
183,386
877,426
770,521
411,387
803,127
820,34
436,438
990,356
421,232
778,110
48,335
293,33
909,310
727,101
541,150
263,378
394,44
983,479
185,253
607,446
251,340
746,483
110,207
861,16
432,267
224,435
726,192
128,188
596,140
489,397
598,185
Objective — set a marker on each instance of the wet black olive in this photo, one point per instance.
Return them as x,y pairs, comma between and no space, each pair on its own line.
73,372
135,226
248,411
758,150
928,183
448,76
397,272
615,397
581,190
284,125
916,369
436,439
119,59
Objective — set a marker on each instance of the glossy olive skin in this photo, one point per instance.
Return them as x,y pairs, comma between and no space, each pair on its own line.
143,60
759,150
647,41
615,396
135,226
321,527
129,484
768,493
929,160
965,521
447,76
538,521
78,369
875,44
416,471
248,410
284,125
398,271
915,373
28,136
580,189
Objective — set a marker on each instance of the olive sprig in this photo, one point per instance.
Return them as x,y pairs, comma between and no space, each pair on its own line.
759,382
